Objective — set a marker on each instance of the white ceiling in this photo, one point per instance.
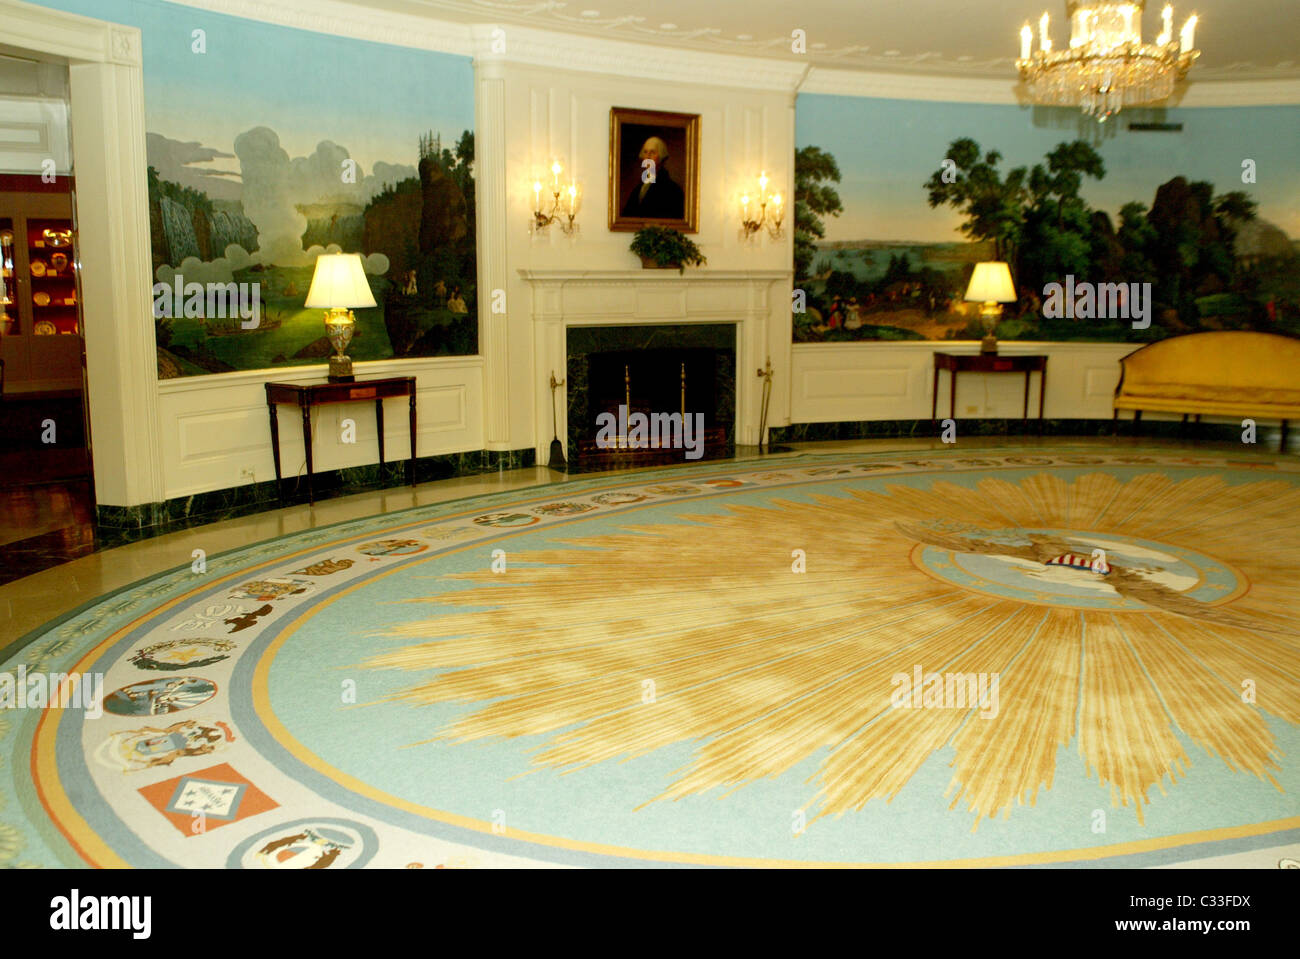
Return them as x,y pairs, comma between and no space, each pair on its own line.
1239,39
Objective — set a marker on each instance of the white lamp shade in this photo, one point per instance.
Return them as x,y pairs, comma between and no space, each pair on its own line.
339,281
991,283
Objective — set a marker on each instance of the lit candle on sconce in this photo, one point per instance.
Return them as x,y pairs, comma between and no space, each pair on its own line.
1167,25
767,217
1026,41
548,212
1187,40
1044,41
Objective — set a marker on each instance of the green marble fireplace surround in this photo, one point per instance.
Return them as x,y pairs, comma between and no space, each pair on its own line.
585,342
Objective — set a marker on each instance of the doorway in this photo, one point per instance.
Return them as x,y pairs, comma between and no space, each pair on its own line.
46,479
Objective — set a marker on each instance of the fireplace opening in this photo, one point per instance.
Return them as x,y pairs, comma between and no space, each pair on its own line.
684,393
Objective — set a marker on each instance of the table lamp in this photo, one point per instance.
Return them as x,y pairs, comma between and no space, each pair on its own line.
991,285
338,285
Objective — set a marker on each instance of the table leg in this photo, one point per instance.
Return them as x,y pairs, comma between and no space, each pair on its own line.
379,425
1281,445
275,449
411,463
1042,395
306,442
934,397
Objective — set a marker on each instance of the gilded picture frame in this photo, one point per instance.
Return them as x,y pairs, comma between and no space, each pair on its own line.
654,170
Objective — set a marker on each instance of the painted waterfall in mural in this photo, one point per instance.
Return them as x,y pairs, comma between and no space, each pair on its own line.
267,146
897,200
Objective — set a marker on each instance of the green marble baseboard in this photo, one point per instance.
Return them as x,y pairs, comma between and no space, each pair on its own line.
925,429
121,524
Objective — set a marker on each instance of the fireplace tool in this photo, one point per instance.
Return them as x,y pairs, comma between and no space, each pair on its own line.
766,374
556,461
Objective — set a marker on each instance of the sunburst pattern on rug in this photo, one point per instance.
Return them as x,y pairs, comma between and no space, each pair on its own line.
700,632
700,665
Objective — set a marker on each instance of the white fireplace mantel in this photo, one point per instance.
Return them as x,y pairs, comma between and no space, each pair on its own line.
575,297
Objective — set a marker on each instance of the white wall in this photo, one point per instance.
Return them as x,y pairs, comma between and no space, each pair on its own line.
564,115
215,430
894,381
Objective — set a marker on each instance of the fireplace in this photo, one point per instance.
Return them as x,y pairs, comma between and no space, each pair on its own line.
680,378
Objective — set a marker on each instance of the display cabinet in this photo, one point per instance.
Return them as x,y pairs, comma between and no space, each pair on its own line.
40,322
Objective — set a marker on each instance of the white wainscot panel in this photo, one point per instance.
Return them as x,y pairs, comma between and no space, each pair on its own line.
887,381
216,430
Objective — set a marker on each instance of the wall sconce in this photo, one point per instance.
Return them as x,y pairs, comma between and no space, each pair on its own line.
560,196
769,212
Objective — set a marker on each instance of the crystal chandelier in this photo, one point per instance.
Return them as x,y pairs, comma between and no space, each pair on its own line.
1107,66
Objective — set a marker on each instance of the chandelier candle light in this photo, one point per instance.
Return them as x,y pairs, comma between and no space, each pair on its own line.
338,285
1107,66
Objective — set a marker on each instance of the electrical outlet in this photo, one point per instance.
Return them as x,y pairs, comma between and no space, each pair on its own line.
247,473
972,409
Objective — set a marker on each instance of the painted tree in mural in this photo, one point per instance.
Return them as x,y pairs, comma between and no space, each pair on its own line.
425,226
993,206
814,170
1039,221
1058,234
1194,234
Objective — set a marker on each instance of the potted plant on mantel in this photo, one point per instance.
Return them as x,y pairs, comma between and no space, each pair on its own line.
661,248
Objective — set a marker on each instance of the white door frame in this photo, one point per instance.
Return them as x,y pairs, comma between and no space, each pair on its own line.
109,163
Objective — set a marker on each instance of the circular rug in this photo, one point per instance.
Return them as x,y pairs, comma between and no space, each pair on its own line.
1002,659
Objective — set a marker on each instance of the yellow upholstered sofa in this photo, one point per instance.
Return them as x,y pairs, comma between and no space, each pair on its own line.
1230,373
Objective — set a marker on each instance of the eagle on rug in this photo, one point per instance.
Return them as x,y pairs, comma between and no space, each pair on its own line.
1134,582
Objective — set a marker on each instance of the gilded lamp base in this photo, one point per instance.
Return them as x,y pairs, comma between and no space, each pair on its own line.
341,370
340,324
991,313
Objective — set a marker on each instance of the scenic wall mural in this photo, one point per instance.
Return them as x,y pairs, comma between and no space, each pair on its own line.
268,146
897,200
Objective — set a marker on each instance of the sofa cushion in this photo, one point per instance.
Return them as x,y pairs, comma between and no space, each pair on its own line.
1194,392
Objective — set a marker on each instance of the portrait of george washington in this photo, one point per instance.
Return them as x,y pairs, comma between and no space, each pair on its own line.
654,170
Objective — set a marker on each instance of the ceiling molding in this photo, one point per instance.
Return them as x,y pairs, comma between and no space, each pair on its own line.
583,52
562,51
636,22
897,86
348,20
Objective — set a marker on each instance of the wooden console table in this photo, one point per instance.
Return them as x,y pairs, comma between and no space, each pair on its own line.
305,396
956,363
